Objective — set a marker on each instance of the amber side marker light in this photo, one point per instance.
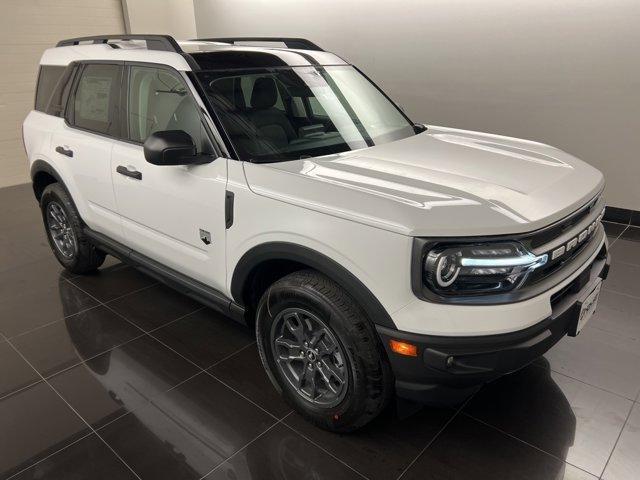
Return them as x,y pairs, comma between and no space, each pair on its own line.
403,348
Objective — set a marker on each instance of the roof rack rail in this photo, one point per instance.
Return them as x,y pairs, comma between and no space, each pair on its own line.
301,43
165,43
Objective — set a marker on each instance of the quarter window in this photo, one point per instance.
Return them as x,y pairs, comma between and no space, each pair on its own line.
96,99
47,81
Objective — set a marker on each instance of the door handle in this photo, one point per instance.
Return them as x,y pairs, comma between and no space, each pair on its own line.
122,170
64,151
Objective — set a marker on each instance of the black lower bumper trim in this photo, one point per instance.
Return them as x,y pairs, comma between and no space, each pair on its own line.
448,369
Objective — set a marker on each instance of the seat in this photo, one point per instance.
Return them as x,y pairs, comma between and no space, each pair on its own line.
272,123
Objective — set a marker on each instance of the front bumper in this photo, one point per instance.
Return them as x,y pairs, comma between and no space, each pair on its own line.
448,369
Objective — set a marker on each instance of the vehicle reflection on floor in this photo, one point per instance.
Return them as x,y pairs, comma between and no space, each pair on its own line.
191,428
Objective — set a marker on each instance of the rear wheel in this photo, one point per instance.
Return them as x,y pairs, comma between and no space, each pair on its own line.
321,352
63,226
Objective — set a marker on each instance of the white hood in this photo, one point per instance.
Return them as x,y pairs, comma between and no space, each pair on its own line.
444,182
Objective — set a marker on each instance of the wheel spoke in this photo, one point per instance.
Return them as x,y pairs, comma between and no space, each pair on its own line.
327,348
54,224
313,385
287,343
286,357
56,214
295,326
332,369
303,374
315,338
327,381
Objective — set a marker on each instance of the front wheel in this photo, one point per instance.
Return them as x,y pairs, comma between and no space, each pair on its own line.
321,352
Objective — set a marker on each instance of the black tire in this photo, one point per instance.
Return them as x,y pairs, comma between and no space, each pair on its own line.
81,256
368,374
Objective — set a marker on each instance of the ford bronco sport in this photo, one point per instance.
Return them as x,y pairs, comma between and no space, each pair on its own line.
277,184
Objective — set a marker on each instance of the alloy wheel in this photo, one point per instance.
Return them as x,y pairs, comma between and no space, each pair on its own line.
309,356
61,231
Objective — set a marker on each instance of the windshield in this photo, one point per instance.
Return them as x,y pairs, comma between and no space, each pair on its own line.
299,112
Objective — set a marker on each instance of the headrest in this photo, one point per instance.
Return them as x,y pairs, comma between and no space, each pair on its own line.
265,93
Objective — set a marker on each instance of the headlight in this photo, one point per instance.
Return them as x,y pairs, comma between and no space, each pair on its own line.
481,268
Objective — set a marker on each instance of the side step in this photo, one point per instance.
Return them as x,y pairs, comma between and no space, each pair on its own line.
182,283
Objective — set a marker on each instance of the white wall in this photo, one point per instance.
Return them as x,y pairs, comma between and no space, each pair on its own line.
172,17
562,72
27,28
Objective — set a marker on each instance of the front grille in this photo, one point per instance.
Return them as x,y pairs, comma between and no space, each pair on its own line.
560,234
554,266
580,281
558,229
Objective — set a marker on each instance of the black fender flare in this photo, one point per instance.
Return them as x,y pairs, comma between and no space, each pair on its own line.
316,260
44,166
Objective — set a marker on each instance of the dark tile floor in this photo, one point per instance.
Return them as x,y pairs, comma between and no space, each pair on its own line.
113,376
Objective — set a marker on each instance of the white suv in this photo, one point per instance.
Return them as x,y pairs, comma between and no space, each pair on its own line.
280,186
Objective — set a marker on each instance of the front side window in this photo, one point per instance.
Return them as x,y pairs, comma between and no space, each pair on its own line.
160,100
96,99
275,114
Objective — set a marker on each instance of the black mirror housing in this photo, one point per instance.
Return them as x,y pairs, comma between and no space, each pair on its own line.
171,147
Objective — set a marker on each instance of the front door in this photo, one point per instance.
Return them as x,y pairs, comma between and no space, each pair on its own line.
172,214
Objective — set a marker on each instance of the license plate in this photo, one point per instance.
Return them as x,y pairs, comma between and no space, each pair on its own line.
588,308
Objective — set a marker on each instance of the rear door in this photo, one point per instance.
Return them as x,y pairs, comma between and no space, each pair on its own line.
172,214
83,143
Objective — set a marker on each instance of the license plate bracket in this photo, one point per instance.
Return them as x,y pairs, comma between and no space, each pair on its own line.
585,309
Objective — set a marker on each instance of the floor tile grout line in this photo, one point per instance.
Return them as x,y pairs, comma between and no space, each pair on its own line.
524,442
147,402
635,297
133,292
435,437
149,334
231,355
19,390
237,392
81,360
613,221
91,295
151,399
619,235
179,354
210,374
93,430
101,303
112,268
617,335
626,420
31,465
317,445
111,309
244,447
181,317
582,381
52,322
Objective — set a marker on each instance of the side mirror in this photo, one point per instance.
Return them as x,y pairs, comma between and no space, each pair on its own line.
172,147
419,128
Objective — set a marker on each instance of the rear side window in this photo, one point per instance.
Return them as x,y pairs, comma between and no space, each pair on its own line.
47,81
95,104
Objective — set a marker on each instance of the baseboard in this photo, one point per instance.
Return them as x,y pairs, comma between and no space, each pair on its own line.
622,215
